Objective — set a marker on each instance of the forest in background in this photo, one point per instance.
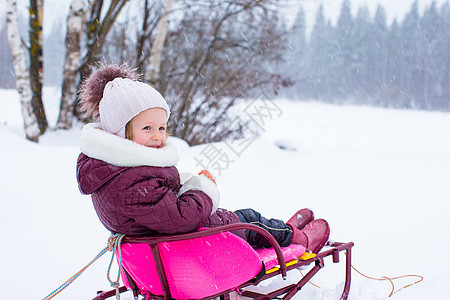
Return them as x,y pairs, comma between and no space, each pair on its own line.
364,60
359,60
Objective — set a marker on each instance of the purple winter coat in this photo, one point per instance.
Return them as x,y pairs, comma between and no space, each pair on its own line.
136,190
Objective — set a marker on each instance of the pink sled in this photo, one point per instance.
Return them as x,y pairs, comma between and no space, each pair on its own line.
213,263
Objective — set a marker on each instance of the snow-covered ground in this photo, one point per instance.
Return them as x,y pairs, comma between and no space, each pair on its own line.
380,177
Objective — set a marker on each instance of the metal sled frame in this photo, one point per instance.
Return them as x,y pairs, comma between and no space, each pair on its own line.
288,291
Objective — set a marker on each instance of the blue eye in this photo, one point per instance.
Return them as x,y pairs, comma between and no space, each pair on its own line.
146,128
162,128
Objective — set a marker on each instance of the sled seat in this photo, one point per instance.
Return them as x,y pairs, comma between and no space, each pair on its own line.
210,263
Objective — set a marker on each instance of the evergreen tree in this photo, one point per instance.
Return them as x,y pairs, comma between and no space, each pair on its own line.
363,62
440,61
410,66
295,56
380,54
344,63
429,27
393,95
319,56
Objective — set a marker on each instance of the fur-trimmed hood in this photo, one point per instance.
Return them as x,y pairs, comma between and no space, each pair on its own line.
136,190
121,152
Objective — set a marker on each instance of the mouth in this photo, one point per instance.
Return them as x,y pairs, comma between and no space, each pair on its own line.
152,145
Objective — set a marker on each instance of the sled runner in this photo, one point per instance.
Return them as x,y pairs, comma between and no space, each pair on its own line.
214,262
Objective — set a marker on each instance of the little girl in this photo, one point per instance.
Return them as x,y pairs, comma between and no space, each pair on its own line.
127,165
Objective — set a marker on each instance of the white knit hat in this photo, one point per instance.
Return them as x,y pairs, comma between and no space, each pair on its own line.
123,99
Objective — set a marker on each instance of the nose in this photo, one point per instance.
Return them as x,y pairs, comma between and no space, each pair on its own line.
155,136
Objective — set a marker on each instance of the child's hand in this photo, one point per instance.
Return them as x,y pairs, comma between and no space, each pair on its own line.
209,176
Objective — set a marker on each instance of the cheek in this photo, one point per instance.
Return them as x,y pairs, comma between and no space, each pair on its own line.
140,139
163,140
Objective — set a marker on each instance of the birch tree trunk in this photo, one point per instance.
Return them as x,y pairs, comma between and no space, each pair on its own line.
36,64
156,51
71,65
22,74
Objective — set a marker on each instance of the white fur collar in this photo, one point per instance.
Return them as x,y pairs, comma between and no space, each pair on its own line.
121,152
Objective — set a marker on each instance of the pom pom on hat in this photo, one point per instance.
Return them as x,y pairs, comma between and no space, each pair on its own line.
114,95
92,88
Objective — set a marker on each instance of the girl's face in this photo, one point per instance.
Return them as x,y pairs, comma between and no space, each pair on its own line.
148,128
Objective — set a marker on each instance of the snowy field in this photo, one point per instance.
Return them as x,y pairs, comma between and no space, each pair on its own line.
380,177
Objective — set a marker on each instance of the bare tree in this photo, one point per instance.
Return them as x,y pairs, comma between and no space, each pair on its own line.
22,75
144,40
215,54
221,52
156,51
72,64
97,29
36,69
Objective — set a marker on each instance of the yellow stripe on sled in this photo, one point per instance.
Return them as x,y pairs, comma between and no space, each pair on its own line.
307,255
289,263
